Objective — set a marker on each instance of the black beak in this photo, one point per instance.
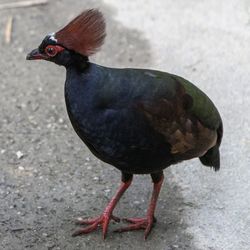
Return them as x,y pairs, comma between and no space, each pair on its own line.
35,55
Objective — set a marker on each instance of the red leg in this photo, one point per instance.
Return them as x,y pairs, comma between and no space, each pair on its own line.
107,215
147,222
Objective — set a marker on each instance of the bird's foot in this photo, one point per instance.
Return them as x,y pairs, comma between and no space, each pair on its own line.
106,216
139,224
93,224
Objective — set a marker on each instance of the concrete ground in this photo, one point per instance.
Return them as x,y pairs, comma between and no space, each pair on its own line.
48,177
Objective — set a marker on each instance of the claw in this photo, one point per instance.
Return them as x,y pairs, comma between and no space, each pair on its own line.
103,220
105,224
81,221
138,224
85,230
105,217
130,228
137,220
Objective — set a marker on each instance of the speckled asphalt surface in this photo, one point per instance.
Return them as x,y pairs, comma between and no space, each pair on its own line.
48,177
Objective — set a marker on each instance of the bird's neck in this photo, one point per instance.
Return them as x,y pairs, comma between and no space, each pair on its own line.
81,64
78,77
78,62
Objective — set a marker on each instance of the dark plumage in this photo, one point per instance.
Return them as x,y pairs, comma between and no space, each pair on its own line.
140,121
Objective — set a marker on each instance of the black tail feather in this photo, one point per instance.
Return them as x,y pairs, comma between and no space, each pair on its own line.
212,158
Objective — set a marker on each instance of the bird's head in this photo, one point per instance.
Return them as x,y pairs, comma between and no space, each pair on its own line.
79,39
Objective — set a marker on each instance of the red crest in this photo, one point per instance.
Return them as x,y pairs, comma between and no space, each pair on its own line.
85,34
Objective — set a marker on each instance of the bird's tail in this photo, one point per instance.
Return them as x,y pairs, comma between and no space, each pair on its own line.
212,158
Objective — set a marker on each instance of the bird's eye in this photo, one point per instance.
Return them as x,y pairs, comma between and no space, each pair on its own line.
50,51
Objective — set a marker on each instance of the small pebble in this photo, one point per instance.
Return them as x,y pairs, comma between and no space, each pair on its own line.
79,219
20,50
60,120
21,168
23,105
19,154
107,190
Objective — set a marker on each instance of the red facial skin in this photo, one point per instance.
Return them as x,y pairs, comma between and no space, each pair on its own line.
50,51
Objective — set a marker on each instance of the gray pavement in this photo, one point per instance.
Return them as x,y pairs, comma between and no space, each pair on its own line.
48,177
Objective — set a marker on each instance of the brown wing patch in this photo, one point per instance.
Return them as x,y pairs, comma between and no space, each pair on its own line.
181,142
186,135
193,144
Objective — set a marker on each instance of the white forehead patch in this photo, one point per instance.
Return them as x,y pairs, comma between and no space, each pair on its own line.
52,37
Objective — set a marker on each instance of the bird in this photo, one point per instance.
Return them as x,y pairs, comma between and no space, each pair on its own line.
140,121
